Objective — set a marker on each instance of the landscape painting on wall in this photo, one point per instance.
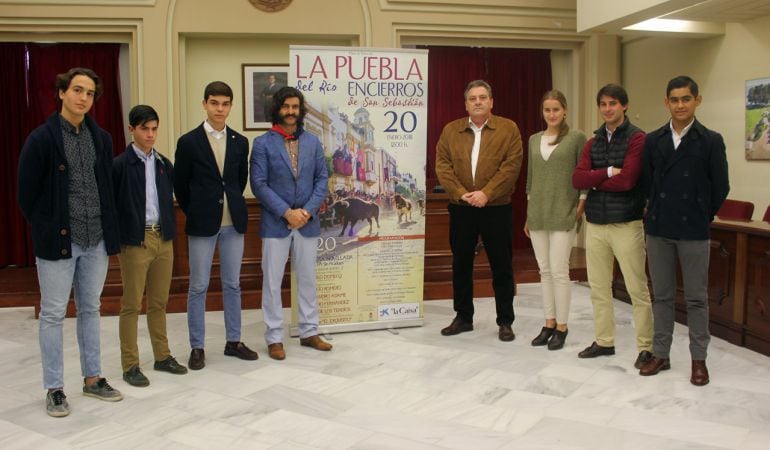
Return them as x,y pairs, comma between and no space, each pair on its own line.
758,119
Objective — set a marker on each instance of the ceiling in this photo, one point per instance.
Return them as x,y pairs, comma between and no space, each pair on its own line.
687,18
723,11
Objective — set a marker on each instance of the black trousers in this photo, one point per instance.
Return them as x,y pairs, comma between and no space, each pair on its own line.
495,226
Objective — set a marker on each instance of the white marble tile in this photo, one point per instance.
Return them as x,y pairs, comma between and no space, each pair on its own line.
308,430
427,430
411,389
552,433
688,430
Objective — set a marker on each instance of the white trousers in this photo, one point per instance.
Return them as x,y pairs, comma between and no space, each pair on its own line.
552,251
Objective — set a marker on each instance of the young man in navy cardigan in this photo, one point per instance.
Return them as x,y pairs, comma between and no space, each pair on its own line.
65,193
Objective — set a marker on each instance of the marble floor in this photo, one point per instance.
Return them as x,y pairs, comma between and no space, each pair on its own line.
408,389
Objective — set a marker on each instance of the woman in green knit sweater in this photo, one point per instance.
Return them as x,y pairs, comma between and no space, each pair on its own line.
554,209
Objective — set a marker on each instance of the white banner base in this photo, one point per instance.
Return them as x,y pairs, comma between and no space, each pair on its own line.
362,326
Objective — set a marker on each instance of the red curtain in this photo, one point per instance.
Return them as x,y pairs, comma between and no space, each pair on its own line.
27,86
16,247
48,60
519,78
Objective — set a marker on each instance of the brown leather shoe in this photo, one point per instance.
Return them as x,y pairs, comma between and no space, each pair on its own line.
700,374
642,359
239,350
275,351
456,327
505,333
197,359
315,342
654,365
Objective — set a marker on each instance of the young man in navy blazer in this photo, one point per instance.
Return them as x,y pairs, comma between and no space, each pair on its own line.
685,179
210,176
289,176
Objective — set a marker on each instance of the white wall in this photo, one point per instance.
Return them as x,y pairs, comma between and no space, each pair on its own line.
721,67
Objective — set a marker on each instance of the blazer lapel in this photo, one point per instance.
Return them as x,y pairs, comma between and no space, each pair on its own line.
206,150
280,146
230,152
672,156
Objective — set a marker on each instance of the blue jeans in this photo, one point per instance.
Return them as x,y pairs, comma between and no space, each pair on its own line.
85,271
201,255
275,252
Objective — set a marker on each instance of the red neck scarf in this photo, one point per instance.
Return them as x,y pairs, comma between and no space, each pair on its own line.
289,137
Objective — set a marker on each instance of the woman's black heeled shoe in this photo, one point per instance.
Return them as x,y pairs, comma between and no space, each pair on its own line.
557,340
543,337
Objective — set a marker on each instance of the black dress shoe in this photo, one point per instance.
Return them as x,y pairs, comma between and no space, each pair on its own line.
239,350
456,327
557,340
197,359
543,337
135,377
171,366
642,359
653,366
505,333
594,350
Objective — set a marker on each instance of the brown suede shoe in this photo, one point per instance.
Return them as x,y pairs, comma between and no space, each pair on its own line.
700,374
654,365
315,342
275,351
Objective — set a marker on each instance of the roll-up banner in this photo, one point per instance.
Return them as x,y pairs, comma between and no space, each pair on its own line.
368,107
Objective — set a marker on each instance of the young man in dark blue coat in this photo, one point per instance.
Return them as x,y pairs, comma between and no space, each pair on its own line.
144,193
685,179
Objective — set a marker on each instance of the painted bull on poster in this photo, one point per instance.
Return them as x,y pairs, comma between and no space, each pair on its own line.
350,210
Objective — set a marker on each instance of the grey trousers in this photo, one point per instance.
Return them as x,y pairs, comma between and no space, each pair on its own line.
694,262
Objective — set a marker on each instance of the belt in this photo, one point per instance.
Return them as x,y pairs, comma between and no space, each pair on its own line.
153,227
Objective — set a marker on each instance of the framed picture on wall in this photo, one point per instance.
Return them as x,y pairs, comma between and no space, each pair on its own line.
260,82
758,119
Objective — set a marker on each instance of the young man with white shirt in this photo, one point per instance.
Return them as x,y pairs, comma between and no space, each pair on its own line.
144,194
609,168
211,168
685,180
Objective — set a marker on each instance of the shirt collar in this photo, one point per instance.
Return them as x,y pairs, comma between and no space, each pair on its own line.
684,130
141,155
214,133
473,126
67,126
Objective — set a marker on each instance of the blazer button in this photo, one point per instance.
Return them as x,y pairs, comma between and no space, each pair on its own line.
223,183
221,201
61,167
684,218
63,231
64,252
662,195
